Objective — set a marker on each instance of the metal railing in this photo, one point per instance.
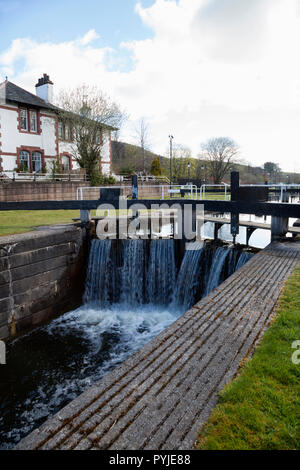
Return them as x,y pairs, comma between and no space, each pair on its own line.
25,176
159,191
224,186
142,178
225,189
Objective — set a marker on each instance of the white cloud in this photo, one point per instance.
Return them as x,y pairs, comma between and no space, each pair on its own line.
89,37
213,67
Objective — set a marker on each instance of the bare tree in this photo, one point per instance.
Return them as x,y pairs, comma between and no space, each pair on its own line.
142,134
220,153
87,112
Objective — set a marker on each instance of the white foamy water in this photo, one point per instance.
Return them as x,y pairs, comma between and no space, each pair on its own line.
135,325
70,354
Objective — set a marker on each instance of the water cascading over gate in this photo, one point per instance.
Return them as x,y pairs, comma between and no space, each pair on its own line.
146,272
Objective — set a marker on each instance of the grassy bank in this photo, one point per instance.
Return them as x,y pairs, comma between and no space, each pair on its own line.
24,221
260,409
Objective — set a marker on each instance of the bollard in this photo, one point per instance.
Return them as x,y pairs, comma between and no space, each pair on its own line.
134,187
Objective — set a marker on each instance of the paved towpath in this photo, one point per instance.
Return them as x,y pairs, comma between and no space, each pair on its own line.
161,396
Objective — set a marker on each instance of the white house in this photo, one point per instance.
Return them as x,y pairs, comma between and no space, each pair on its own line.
31,135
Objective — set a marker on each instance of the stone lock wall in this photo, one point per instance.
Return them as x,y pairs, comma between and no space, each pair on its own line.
41,276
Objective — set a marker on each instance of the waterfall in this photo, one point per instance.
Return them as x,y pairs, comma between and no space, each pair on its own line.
98,280
188,278
161,275
133,272
244,257
137,272
216,270
231,261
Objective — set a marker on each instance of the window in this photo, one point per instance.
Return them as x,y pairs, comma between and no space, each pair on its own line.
60,130
33,121
36,161
24,161
29,120
67,133
65,163
64,131
24,120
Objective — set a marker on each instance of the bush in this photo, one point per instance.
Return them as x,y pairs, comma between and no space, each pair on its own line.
155,167
100,180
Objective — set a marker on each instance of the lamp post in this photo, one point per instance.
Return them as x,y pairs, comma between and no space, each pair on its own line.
171,156
189,170
203,170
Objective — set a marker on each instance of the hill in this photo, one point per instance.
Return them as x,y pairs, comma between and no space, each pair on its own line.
128,159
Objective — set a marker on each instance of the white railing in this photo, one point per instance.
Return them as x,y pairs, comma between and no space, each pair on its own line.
159,191
145,178
83,189
225,186
283,187
25,176
177,188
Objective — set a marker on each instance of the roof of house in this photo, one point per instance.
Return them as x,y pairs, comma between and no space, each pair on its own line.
15,94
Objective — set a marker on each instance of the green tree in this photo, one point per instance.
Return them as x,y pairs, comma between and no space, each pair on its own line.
272,171
155,167
55,167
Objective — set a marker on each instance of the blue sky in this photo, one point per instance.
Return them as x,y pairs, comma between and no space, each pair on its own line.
192,68
57,21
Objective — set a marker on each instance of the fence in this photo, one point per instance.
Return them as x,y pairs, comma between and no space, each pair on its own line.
159,191
20,176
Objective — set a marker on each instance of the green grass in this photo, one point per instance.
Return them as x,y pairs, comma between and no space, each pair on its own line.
208,196
216,196
24,221
260,409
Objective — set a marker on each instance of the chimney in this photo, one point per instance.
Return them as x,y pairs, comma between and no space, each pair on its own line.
44,88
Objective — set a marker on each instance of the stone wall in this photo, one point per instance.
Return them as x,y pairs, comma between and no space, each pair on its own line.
39,191
41,276
64,191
